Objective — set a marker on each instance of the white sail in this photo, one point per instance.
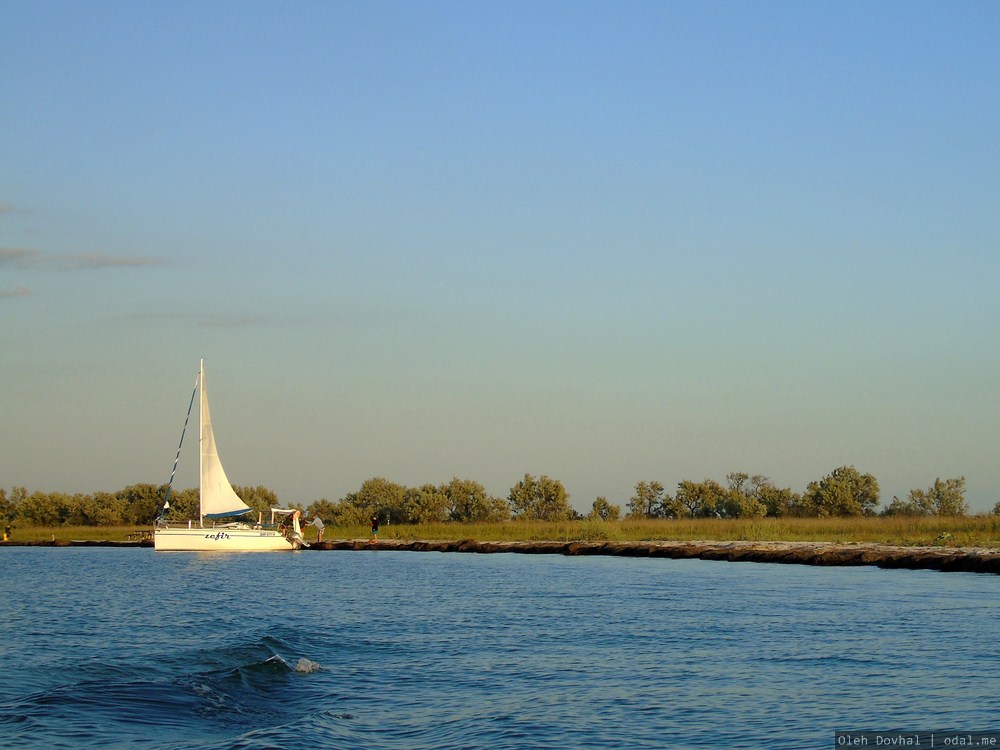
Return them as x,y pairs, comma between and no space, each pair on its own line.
217,500
217,496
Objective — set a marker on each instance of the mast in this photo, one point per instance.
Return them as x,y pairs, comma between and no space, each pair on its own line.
201,442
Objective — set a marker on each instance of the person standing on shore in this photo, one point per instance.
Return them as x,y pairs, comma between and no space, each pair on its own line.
318,523
374,536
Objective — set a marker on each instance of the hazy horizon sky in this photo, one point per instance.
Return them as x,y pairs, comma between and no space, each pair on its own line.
604,242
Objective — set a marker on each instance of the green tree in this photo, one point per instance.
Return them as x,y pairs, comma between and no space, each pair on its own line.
779,502
377,495
602,510
425,504
346,512
184,503
906,507
648,501
751,492
107,510
9,505
949,497
745,497
702,499
86,510
542,499
260,499
470,502
43,509
944,498
709,498
843,492
143,503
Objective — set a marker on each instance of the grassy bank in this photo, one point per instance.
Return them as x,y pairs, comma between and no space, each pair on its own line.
969,531
71,533
972,531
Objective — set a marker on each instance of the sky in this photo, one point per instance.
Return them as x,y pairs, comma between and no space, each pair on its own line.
606,242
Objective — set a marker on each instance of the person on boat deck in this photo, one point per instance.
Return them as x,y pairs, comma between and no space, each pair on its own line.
318,523
374,536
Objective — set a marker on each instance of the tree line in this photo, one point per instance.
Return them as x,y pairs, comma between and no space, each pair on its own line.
462,500
843,492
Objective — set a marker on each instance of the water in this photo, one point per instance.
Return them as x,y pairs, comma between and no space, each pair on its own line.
132,648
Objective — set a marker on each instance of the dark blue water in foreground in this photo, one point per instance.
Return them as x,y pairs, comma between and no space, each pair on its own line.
132,648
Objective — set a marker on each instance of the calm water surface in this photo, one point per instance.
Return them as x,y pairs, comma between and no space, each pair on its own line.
132,648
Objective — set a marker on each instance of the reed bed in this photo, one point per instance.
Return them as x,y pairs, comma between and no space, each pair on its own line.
961,531
951,531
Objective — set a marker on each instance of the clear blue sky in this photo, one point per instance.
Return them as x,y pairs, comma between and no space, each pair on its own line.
603,241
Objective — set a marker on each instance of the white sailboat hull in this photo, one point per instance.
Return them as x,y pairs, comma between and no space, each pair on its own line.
220,540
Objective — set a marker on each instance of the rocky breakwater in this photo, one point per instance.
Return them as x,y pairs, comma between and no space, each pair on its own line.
970,560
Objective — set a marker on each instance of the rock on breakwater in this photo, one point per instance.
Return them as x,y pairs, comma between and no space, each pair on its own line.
956,559
970,560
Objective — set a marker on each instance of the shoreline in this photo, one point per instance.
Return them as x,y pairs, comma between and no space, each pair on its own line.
947,559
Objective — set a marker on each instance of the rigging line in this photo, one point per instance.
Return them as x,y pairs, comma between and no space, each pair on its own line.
183,431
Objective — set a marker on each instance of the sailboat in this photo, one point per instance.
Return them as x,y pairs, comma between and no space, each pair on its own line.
219,500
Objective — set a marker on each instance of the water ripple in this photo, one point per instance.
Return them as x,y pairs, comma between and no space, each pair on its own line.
404,651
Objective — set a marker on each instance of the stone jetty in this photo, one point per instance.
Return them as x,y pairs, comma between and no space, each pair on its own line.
957,559
971,560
